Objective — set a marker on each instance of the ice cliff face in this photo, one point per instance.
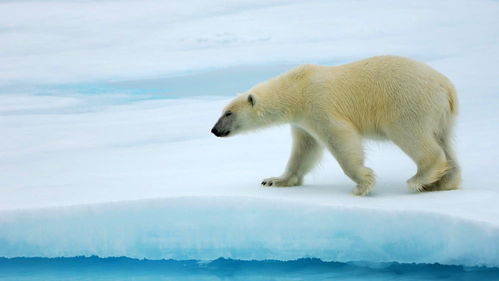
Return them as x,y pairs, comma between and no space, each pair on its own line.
206,228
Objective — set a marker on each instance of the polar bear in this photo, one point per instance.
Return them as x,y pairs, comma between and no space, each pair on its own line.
387,97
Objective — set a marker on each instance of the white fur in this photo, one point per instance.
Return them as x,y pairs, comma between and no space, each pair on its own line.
384,97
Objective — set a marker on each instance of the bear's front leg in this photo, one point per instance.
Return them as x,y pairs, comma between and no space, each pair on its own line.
305,154
346,145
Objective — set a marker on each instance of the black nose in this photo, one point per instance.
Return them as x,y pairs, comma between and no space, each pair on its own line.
215,132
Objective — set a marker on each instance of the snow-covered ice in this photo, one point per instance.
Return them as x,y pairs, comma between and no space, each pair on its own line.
74,41
178,192
106,151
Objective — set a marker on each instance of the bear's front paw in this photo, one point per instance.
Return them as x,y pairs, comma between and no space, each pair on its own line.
282,181
367,179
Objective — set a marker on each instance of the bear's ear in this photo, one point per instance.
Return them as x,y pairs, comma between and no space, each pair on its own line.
251,100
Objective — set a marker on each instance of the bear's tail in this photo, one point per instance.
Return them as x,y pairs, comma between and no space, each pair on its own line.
452,98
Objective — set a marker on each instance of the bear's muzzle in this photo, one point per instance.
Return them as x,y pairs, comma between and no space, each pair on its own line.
222,127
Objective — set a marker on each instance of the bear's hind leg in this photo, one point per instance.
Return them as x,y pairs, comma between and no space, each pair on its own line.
305,154
452,178
345,144
428,155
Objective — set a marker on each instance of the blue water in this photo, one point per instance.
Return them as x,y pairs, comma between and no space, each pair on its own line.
97,269
217,82
95,95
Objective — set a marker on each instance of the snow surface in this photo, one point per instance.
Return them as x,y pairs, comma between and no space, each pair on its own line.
61,41
104,151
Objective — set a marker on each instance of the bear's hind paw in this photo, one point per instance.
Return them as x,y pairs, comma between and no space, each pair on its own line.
362,190
415,185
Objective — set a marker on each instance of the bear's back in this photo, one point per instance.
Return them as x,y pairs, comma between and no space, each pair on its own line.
379,90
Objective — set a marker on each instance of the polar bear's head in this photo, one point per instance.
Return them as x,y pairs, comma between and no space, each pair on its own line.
239,115
268,103
254,109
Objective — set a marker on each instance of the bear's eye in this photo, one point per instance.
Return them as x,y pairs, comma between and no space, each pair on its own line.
251,100
227,114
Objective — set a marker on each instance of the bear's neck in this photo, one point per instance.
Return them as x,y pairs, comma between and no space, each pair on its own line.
287,99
